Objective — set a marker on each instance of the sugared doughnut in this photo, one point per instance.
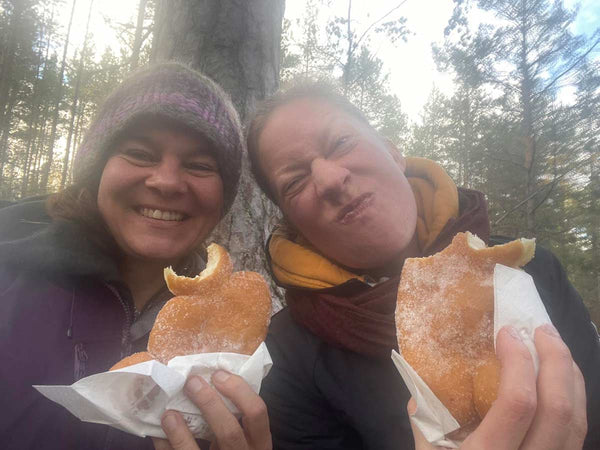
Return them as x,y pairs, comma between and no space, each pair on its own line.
216,311
136,358
444,320
218,270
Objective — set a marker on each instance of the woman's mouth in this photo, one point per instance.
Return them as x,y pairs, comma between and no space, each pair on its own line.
159,214
353,209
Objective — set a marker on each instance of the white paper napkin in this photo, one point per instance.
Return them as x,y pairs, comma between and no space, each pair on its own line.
134,398
516,303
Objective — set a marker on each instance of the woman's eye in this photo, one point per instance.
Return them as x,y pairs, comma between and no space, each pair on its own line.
201,167
341,140
139,155
342,144
293,186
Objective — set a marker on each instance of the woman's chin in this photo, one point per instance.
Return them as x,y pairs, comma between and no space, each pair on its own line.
159,253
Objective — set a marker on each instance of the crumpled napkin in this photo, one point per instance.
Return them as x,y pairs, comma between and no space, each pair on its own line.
134,398
516,303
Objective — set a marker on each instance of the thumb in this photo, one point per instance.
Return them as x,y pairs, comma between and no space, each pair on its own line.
161,444
420,442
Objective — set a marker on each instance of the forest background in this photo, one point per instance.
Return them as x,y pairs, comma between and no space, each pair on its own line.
517,117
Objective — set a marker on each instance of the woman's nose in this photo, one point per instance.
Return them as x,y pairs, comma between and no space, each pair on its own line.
167,178
329,178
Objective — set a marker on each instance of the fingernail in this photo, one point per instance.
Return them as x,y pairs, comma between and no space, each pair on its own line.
194,385
549,329
169,422
512,331
220,376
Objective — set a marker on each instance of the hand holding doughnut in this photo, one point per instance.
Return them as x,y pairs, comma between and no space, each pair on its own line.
252,434
445,317
549,413
216,311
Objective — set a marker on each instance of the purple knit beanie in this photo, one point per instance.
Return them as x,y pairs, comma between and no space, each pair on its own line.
173,91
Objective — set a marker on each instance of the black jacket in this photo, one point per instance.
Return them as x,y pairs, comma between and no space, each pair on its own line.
323,397
64,315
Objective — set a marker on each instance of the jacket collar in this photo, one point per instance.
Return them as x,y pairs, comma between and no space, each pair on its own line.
30,240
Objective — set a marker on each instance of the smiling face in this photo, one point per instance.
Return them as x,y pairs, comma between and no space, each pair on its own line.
160,193
337,182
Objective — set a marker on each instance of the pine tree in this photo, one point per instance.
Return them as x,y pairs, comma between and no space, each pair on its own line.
532,40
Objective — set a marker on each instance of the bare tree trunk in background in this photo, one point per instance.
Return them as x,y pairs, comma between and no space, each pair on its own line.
237,44
138,39
6,81
65,169
77,135
48,164
7,121
33,126
595,228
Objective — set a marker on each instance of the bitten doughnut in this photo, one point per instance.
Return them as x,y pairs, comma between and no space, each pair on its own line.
216,311
445,321
130,360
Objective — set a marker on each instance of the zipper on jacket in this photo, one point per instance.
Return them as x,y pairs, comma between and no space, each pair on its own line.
125,341
70,329
81,358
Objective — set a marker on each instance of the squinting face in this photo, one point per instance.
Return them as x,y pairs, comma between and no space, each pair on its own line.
337,182
161,192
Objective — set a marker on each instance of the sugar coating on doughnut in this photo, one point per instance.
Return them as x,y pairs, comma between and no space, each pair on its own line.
444,320
232,319
216,311
136,358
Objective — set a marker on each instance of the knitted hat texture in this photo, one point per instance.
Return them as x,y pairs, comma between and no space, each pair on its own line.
176,92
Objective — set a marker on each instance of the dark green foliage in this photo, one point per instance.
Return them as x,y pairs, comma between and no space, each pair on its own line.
506,132
31,48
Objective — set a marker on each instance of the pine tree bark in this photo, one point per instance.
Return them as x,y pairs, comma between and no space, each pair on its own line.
236,43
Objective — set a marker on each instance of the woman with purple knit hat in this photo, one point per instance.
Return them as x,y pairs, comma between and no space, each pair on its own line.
81,272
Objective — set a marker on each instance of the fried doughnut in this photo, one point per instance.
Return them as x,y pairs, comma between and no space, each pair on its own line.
136,358
445,321
216,311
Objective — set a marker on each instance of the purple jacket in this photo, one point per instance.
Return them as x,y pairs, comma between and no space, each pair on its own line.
63,316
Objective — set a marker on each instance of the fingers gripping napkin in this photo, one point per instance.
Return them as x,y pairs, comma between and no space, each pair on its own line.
445,321
216,321
216,311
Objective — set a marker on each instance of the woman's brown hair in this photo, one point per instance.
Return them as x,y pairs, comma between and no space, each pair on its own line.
78,203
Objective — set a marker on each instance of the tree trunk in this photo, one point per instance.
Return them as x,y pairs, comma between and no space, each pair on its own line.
138,39
6,73
595,223
33,126
7,121
237,44
77,134
50,158
347,69
79,75
527,123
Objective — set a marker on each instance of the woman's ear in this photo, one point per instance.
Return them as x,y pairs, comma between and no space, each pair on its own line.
396,154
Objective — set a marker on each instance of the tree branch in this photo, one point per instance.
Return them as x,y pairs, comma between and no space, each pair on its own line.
529,197
495,158
378,20
571,67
